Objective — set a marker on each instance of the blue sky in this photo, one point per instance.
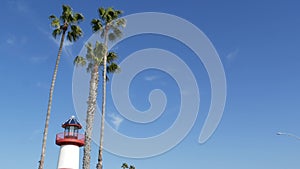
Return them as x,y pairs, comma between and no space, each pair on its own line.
258,44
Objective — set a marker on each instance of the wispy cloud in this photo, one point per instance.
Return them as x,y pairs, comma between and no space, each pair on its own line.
19,5
11,40
42,85
151,78
232,55
38,59
116,120
67,44
35,133
66,47
57,41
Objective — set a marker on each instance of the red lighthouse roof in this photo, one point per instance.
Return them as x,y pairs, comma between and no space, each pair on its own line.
72,122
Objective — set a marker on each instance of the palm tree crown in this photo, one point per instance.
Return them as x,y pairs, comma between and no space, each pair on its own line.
94,56
66,20
132,167
109,20
124,166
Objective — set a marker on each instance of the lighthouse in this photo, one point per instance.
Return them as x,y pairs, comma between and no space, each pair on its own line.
69,141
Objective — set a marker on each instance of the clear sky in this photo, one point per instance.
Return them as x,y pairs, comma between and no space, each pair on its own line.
258,45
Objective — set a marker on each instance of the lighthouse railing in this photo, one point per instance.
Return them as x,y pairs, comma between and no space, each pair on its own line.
63,137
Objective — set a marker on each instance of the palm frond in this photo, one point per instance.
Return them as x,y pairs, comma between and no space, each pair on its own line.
118,33
112,37
99,52
116,14
66,13
56,32
124,165
70,36
119,12
96,25
54,21
115,34
111,57
66,9
109,14
74,33
102,34
90,67
79,60
113,68
89,46
131,167
101,12
52,17
121,22
89,54
78,17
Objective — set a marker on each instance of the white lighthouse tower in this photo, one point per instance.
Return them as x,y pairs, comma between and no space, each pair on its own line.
69,141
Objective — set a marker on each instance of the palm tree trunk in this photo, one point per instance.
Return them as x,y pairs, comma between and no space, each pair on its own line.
90,116
43,153
100,159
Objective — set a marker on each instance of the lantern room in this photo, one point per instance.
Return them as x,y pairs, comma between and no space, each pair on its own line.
71,135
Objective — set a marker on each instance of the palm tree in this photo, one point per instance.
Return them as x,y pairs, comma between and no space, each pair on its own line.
132,167
67,20
124,166
109,24
94,57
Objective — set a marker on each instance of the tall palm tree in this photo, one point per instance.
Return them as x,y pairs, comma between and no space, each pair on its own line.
109,24
94,57
61,25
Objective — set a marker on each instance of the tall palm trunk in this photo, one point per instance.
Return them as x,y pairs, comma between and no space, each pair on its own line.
92,100
100,159
43,153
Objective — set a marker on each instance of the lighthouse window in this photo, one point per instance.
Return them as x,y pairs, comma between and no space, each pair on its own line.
76,133
66,133
71,132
